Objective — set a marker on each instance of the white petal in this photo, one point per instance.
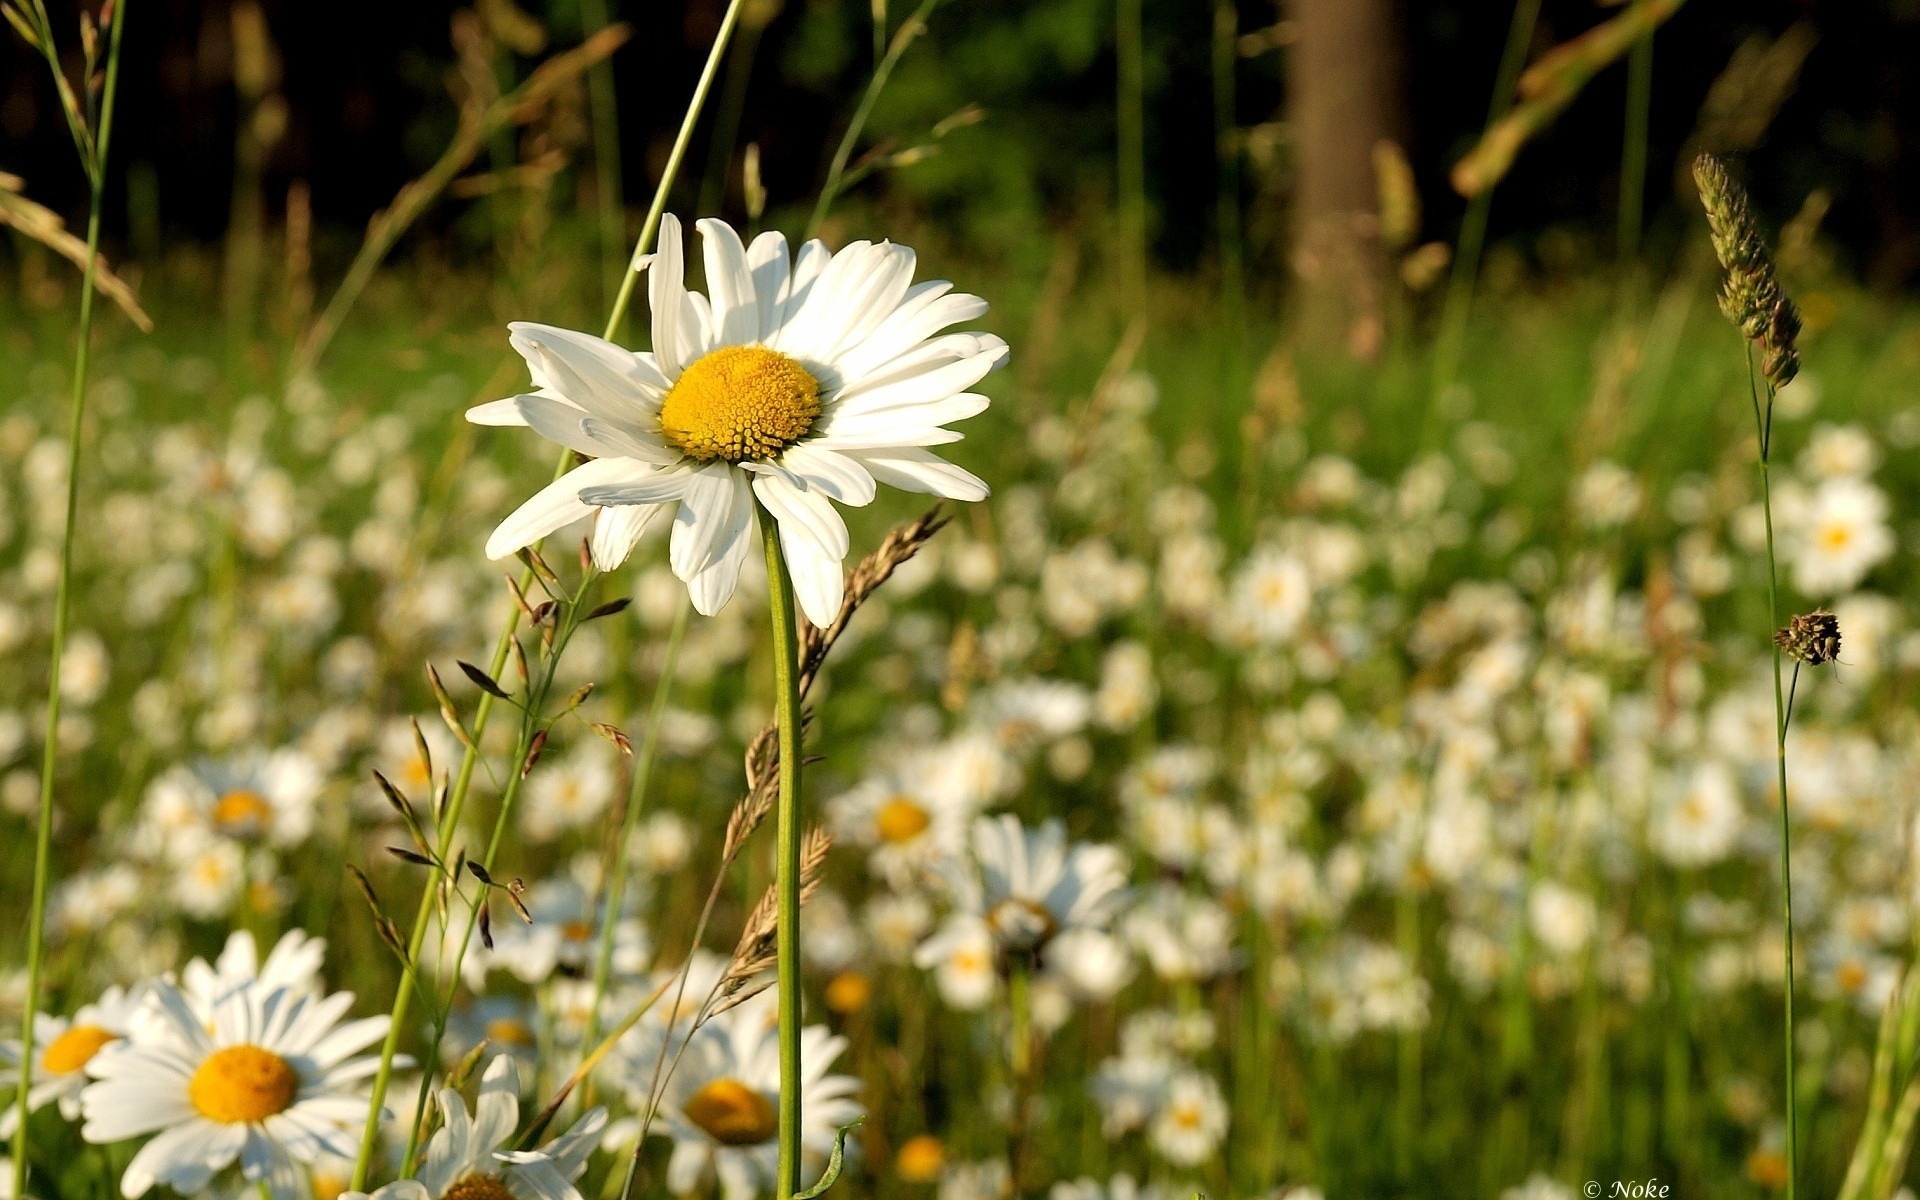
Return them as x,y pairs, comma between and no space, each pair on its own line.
830,472
496,412
712,588
562,423
915,470
713,510
928,308
616,531
602,378
767,259
927,387
730,285
666,296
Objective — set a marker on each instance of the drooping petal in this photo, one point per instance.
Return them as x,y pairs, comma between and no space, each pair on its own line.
600,377
712,588
814,541
497,413
617,530
713,510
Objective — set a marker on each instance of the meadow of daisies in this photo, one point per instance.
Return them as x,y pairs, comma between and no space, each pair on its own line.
1262,776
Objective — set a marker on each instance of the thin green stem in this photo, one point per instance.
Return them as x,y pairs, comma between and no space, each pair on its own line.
786,687
1763,429
644,245
94,159
615,883
456,802
530,724
902,38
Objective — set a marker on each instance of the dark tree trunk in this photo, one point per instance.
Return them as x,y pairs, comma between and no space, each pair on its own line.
1343,83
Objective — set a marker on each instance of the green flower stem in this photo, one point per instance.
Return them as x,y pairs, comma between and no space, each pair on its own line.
403,992
786,672
94,159
1763,430
615,884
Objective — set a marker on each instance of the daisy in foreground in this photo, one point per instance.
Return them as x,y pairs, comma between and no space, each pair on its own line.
793,383
465,1160
268,1080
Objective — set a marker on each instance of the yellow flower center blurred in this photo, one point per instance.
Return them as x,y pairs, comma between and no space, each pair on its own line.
1835,537
848,992
920,1159
732,1113
242,1084
242,811
478,1187
509,1031
739,402
901,820
75,1048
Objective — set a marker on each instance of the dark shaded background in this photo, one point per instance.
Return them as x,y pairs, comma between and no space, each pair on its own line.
366,84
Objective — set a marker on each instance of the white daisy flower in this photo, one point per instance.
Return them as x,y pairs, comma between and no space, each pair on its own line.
721,1104
465,1159
269,1082
63,1046
910,830
793,383
252,797
1842,535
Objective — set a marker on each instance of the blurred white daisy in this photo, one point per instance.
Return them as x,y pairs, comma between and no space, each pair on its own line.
794,383
721,1103
63,1046
465,1159
269,1081
1843,534
250,797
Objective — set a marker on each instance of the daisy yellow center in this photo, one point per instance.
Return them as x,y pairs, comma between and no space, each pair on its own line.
1022,923
1836,537
920,1159
75,1048
241,810
739,402
901,820
509,1031
732,1113
243,1084
478,1187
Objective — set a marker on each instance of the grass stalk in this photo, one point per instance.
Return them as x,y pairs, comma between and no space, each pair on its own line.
903,37
1763,434
786,687
615,884
93,154
1226,141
